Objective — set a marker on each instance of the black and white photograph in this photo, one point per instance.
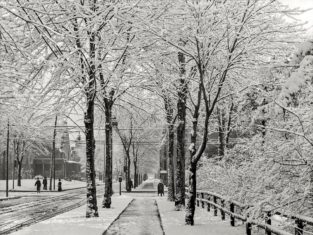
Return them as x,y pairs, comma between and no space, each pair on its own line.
156,117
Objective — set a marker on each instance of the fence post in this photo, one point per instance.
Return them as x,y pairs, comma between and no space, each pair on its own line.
232,218
202,202
209,206
197,199
299,228
248,228
268,221
215,208
222,211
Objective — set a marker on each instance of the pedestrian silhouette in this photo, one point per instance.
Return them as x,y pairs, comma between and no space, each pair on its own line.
160,189
60,185
45,182
38,185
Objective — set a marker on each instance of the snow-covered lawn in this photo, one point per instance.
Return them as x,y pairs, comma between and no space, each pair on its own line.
75,223
205,223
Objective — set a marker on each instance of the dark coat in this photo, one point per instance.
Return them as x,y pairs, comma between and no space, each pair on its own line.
160,188
38,184
60,186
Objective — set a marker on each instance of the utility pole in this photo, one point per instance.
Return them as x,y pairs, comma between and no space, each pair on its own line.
53,149
13,164
51,172
52,162
7,173
13,173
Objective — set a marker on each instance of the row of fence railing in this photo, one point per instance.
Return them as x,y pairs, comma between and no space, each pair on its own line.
238,211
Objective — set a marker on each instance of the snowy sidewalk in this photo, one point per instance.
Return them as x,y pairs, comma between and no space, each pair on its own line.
75,223
205,223
140,217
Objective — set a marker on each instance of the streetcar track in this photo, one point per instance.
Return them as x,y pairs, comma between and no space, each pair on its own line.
41,218
26,205
16,217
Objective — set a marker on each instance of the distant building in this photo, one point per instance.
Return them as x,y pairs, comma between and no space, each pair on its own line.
78,152
65,142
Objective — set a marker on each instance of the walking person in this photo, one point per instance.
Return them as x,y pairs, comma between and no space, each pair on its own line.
160,189
60,185
45,182
38,185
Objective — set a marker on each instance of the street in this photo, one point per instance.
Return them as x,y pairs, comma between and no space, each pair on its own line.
20,212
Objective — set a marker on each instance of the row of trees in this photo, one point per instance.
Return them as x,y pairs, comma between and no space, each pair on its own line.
271,164
74,54
193,60
215,52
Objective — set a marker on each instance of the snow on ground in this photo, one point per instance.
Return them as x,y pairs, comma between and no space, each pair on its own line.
155,185
75,223
205,223
29,185
140,218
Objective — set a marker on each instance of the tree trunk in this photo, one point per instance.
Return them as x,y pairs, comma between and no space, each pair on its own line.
19,173
310,192
128,186
108,157
229,121
221,131
92,208
190,208
192,183
263,122
181,117
135,175
171,183
90,91
170,168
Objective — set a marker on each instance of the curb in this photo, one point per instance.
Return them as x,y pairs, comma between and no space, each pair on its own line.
118,216
42,191
9,198
159,216
30,191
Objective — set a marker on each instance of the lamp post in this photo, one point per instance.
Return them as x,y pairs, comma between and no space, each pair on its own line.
120,178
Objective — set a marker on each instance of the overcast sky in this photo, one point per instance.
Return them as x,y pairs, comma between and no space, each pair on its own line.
302,4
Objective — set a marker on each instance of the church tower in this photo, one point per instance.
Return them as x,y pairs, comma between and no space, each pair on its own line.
65,142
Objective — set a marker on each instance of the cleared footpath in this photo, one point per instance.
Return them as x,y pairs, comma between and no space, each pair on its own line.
141,217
